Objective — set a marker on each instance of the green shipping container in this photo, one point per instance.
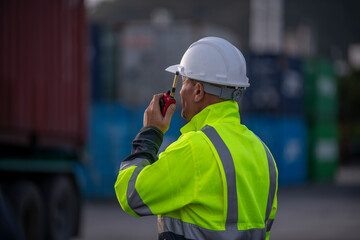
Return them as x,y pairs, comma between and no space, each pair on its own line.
324,150
321,90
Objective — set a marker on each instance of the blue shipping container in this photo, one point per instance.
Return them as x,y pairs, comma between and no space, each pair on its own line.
109,143
276,85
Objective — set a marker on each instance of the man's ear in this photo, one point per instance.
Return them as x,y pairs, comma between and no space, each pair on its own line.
199,92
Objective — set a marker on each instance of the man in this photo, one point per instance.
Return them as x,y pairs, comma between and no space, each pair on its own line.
218,180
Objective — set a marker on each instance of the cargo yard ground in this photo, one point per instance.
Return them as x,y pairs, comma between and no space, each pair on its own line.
313,211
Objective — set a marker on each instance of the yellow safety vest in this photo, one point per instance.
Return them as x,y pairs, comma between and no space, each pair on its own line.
217,181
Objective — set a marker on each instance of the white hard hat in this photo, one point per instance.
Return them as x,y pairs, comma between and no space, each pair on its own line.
213,60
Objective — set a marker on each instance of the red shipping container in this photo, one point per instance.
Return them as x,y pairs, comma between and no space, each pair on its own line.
43,80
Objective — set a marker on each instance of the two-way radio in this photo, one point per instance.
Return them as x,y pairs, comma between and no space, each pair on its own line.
169,97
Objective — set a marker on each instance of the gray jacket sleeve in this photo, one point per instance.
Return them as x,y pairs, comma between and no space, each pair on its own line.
145,147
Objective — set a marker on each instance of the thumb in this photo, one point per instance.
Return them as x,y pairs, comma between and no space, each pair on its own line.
169,112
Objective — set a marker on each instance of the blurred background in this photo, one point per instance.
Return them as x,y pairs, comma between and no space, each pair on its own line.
77,75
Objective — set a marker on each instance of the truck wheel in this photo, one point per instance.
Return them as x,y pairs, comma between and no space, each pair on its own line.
62,208
28,209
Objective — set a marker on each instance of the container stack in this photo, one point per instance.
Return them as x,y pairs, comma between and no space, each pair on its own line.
273,108
322,110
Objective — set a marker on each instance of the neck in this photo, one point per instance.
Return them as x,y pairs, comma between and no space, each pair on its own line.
209,99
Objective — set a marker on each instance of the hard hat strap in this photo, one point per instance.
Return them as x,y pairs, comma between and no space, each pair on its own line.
223,92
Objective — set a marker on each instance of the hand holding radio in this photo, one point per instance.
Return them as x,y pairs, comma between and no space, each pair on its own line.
166,104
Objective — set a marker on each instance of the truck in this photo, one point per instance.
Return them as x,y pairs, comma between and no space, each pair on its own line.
43,114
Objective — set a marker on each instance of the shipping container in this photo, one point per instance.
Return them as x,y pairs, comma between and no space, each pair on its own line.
286,137
108,144
276,85
43,111
95,56
322,103
321,91
103,52
324,150
42,66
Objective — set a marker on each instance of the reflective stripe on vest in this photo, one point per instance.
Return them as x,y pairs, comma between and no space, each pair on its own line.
192,231
229,169
133,198
272,190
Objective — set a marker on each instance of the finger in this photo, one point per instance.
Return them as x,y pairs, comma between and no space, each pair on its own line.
169,112
155,102
156,97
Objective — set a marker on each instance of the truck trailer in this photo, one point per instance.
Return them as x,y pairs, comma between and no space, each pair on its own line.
43,112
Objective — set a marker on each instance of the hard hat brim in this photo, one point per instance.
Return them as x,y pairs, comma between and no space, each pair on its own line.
175,68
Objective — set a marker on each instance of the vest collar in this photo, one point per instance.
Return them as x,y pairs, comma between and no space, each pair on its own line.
224,111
